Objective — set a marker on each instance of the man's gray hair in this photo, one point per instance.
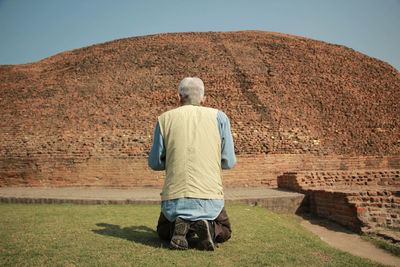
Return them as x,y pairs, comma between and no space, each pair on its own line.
191,89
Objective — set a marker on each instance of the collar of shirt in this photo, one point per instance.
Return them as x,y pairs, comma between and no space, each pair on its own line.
191,102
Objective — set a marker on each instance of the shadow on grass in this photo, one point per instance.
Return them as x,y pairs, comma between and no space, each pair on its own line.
138,234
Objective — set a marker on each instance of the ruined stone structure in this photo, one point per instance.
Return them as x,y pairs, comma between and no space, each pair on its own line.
86,117
361,200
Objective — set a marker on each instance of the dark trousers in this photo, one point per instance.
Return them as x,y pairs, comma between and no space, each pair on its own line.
222,227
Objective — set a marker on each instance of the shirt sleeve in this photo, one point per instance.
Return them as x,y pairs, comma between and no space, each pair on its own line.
228,159
157,154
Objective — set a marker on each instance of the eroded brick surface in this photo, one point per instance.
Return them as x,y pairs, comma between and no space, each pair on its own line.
361,200
86,117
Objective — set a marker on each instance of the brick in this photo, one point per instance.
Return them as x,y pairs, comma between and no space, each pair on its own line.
361,210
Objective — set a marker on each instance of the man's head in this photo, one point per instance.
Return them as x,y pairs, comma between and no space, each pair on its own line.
191,90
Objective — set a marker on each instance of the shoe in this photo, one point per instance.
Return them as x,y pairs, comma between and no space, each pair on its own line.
178,240
205,232
190,234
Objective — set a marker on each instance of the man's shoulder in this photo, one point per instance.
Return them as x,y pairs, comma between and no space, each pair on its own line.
221,113
209,109
221,116
168,112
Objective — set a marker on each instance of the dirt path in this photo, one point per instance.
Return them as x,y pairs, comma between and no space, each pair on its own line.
343,239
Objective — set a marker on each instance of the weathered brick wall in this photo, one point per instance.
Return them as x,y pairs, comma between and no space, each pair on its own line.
360,210
334,205
360,200
57,170
377,207
339,179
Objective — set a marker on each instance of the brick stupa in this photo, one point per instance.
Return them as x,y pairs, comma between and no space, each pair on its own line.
323,118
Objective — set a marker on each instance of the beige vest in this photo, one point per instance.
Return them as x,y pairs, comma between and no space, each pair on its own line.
193,147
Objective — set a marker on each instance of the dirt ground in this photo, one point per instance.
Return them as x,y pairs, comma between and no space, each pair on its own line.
345,240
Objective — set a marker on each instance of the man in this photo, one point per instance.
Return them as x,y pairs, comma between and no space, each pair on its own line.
192,143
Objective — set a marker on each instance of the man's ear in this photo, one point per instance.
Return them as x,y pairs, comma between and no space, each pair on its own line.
180,99
203,100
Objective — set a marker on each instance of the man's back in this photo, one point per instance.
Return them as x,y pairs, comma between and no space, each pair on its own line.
193,153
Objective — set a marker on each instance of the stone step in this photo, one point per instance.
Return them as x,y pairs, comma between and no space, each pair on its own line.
276,200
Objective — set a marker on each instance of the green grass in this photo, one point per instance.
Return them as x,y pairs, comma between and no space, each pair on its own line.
124,235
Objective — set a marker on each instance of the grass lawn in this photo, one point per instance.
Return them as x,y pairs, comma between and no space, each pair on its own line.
124,235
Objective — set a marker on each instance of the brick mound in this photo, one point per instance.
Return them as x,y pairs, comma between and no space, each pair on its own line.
86,117
284,94
361,200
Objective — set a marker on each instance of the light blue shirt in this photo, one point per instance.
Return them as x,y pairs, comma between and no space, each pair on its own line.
193,208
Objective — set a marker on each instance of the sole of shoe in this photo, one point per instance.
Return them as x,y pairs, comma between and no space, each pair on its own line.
204,233
178,243
178,240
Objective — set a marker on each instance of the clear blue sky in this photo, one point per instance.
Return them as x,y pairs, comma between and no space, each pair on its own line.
31,30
